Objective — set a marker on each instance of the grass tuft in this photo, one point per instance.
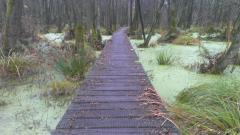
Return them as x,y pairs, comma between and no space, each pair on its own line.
15,66
61,88
164,58
75,65
209,109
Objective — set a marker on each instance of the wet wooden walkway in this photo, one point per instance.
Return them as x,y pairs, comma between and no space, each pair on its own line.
109,102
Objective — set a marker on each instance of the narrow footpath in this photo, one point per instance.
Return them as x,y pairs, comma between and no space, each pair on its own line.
109,101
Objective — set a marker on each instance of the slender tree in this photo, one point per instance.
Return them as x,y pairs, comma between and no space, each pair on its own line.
13,25
154,24
141,18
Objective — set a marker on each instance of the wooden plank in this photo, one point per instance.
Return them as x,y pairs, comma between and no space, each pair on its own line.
105,105
127,88
116,81
124,86
87,99
116,77
115,73
108,93
114,123
100,114
112,131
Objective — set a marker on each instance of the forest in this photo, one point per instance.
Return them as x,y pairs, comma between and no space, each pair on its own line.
189,50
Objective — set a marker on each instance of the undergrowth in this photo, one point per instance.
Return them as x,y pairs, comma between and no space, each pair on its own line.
209,109
15,66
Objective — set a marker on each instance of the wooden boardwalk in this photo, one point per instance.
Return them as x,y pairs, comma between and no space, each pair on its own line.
109,102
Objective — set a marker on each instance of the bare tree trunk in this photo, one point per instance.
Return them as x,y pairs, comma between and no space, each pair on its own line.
156,20
186,17
98,13
13,25
135,22
130,6
79,37
141,18
172,24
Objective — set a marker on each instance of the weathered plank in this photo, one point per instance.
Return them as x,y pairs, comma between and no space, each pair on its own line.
84,99
113,131
105,105
106,113
108,93
114,123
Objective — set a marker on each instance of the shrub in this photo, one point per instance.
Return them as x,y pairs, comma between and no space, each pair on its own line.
164,58
15,66
186,40
60,88
209,109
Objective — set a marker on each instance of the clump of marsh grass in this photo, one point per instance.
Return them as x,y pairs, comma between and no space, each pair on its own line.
209,109
164,58
61,88
75,65
15,65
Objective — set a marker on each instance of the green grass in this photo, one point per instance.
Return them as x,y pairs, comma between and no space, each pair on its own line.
209,109
164,58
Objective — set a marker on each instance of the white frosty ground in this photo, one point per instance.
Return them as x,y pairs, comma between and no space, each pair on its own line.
54,37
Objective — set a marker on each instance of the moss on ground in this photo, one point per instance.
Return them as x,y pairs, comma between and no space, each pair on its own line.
186,40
